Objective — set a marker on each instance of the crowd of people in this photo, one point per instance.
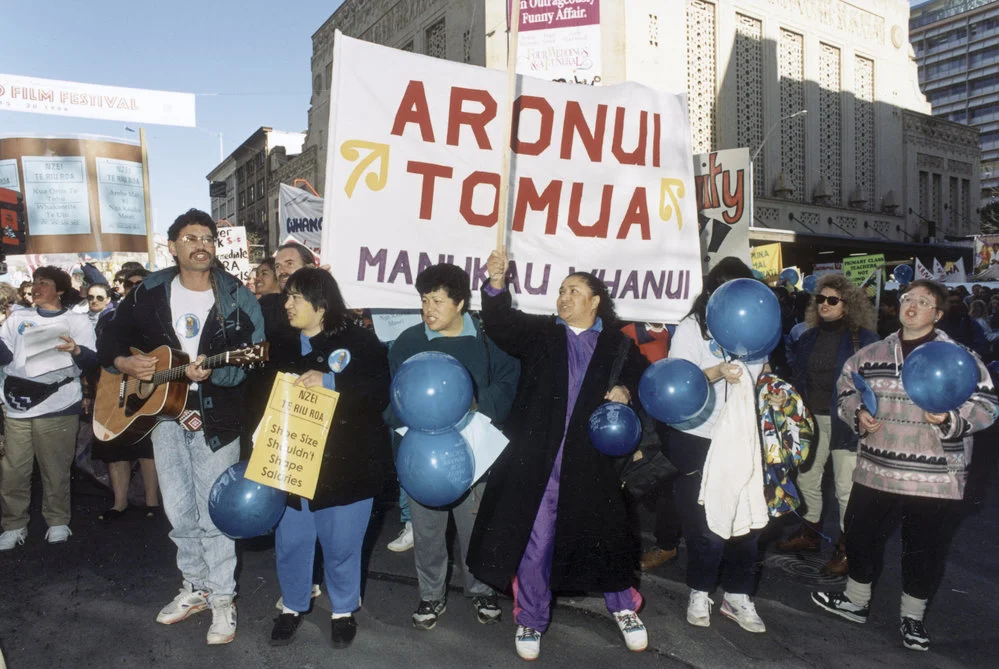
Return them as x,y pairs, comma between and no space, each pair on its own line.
551,514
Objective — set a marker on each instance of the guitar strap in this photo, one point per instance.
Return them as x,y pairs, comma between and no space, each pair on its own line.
191,420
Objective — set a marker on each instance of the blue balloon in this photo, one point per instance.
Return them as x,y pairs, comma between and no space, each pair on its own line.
431,391
762,354
808,284
903,274
673,390
789,275
241,508
435,469
940,376
743,316
615,429
758,274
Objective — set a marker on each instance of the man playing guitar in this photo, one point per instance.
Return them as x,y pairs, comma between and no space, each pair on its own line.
200,309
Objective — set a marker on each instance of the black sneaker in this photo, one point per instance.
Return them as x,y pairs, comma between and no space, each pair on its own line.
285,626
914,636
840,604
343,631
487,609
427,613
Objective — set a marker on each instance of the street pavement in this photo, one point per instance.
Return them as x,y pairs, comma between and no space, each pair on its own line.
92,601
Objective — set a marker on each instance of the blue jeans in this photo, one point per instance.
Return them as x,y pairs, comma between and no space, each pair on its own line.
707,553
340,530
187,468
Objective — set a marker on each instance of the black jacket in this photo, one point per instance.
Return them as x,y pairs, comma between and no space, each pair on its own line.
143,320
595,548
358,449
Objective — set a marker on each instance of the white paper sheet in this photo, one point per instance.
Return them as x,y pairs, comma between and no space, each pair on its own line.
40,351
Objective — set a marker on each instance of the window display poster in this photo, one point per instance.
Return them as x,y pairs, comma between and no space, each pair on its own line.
55,195
122,200
8,175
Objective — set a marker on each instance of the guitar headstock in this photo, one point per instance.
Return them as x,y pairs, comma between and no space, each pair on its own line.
250,355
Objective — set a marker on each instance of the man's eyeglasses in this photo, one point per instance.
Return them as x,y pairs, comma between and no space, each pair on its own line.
207,240
831,299
96,298
921,303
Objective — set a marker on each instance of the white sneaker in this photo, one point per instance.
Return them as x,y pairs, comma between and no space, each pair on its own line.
528,642
404,541
742,610
699,609
58,534
223,629
316,591
187,602
635,636
12,538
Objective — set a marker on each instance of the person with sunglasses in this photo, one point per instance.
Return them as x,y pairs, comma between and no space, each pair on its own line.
911,464
98,301
841,322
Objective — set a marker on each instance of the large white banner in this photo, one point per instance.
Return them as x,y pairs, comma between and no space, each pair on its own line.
723,199
301,217
112,103
603,183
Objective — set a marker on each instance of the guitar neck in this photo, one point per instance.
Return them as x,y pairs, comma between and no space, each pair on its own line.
177,373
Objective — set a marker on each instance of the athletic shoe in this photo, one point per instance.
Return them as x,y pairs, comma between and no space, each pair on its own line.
914,636
316,591
635,636
187,602
742,610
840,604
427,613
285,626
528,642
58,534
13,538
223,628
343,631
699,609
487,609
404,541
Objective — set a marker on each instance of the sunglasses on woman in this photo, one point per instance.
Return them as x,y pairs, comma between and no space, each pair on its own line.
831,299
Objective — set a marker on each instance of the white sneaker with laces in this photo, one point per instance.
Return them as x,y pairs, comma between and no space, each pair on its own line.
635,636
187,602
58,534
528,643
223,628
699,609
404,541
12,538
742,610
316,591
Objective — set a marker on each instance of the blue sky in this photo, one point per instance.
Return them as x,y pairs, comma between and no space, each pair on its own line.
248,61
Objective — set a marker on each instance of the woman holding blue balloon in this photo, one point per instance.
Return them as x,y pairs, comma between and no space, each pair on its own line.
749,335
339,355
915,429
553,515
841,322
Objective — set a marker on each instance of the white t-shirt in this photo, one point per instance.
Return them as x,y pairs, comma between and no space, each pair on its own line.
189,310
688,344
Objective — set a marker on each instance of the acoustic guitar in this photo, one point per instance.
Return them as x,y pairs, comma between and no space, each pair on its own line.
126,409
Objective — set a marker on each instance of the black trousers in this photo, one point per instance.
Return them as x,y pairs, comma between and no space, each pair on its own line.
927,524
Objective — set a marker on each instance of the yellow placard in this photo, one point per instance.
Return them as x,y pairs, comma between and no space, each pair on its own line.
767,259
289,443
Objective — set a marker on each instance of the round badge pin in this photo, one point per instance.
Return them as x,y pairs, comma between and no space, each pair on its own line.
338,360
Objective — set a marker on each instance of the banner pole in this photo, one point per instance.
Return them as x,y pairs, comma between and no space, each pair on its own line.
150,243
511,90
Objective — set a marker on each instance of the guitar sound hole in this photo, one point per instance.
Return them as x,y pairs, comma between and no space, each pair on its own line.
135,401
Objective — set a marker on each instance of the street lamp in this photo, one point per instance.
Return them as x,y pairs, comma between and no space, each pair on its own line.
752,159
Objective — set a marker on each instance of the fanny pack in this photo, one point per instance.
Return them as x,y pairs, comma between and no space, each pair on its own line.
22,394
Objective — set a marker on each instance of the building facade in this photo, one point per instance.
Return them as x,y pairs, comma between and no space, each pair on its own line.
865,169
250,174
956,43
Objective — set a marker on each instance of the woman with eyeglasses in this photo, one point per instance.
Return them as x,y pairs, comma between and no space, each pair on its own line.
98,301
841,322
911,464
